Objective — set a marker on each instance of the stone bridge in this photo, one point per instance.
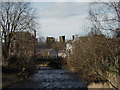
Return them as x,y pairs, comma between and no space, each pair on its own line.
52,62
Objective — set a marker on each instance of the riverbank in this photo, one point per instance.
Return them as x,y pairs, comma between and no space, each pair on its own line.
9,79
48,77
113,82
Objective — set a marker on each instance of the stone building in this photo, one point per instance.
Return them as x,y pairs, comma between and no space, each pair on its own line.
49,42
62,39
50,39
24,43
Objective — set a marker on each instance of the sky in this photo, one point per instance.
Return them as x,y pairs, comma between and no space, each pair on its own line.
62,18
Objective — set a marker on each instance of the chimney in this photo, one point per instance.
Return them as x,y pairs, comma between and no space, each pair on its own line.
73,37
35,33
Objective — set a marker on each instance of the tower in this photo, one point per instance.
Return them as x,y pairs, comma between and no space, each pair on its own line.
62,39
50,41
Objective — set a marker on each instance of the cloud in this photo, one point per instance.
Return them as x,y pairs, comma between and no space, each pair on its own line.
62,9
68,27
62,18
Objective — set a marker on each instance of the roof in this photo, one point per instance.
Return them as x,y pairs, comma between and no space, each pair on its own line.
22,35
61,51
47,50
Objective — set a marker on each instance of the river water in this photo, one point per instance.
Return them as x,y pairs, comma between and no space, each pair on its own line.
48,77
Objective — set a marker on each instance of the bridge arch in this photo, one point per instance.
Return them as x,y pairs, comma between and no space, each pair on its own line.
50,62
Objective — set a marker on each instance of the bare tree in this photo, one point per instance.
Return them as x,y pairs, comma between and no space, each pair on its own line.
92,58
15,16
105,16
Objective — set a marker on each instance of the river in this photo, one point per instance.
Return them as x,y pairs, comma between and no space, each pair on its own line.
48,77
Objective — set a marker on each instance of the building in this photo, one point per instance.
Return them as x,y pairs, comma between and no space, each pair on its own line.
69,48
62,53
50,39
75,37
47,53
52,53
49,42
24,43
62,39
70,45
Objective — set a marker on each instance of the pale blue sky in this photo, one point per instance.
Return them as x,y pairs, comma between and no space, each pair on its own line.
62,18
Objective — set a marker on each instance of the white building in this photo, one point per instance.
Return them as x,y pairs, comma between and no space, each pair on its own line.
62,54
70,45
69,48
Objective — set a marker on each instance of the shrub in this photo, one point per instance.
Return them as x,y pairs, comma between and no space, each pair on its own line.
92,57
14,64
21,65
